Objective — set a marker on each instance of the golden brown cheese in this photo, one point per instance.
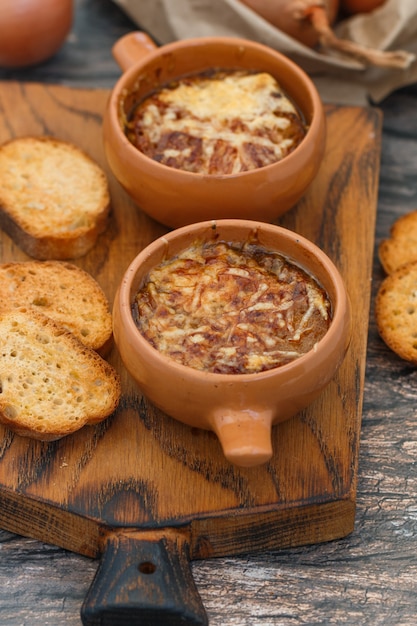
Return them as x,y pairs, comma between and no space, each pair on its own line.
229,310
225,123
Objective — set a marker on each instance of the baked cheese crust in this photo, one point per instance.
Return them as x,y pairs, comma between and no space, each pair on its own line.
224,123
231,310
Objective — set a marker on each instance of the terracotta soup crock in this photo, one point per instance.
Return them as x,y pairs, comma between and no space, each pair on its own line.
175,197
239,408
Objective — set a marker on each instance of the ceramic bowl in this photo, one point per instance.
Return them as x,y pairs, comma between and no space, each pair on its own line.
175,197
239,408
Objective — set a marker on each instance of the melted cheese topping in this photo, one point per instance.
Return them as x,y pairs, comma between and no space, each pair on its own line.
231,310
222,124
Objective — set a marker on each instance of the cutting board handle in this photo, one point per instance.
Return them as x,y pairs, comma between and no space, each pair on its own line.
144,578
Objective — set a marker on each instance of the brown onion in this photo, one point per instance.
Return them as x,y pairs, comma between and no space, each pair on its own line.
289,16
310,22
31,31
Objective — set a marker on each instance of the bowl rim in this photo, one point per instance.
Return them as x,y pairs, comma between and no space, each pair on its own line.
126,81
340,305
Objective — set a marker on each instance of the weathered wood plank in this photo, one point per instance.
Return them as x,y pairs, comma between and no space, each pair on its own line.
366,578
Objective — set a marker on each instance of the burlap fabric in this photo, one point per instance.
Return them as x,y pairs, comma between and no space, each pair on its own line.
339,80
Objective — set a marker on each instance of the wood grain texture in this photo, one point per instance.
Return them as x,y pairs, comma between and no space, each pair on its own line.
368,577
141,469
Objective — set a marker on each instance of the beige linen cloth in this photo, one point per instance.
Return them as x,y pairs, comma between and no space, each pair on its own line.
339,80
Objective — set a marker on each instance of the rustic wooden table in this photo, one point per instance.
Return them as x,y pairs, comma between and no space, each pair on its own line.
368,577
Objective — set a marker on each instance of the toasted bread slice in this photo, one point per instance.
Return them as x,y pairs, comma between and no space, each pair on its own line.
401,246
396,311
54,199
50,384
62,291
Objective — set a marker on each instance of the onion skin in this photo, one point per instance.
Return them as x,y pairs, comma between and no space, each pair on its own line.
31,31
287,15
310,22
353,7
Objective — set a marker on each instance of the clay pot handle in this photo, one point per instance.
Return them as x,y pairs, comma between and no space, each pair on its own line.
245,435
131,48
144,577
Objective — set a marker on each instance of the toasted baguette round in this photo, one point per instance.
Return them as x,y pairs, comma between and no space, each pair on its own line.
401,247
51,384
54,199
62,291
396,311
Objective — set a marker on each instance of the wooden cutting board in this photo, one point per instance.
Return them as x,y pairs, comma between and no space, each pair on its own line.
146,493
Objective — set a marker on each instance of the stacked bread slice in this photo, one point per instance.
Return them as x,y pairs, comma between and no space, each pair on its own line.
55,320
396,299
51,384
62,291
